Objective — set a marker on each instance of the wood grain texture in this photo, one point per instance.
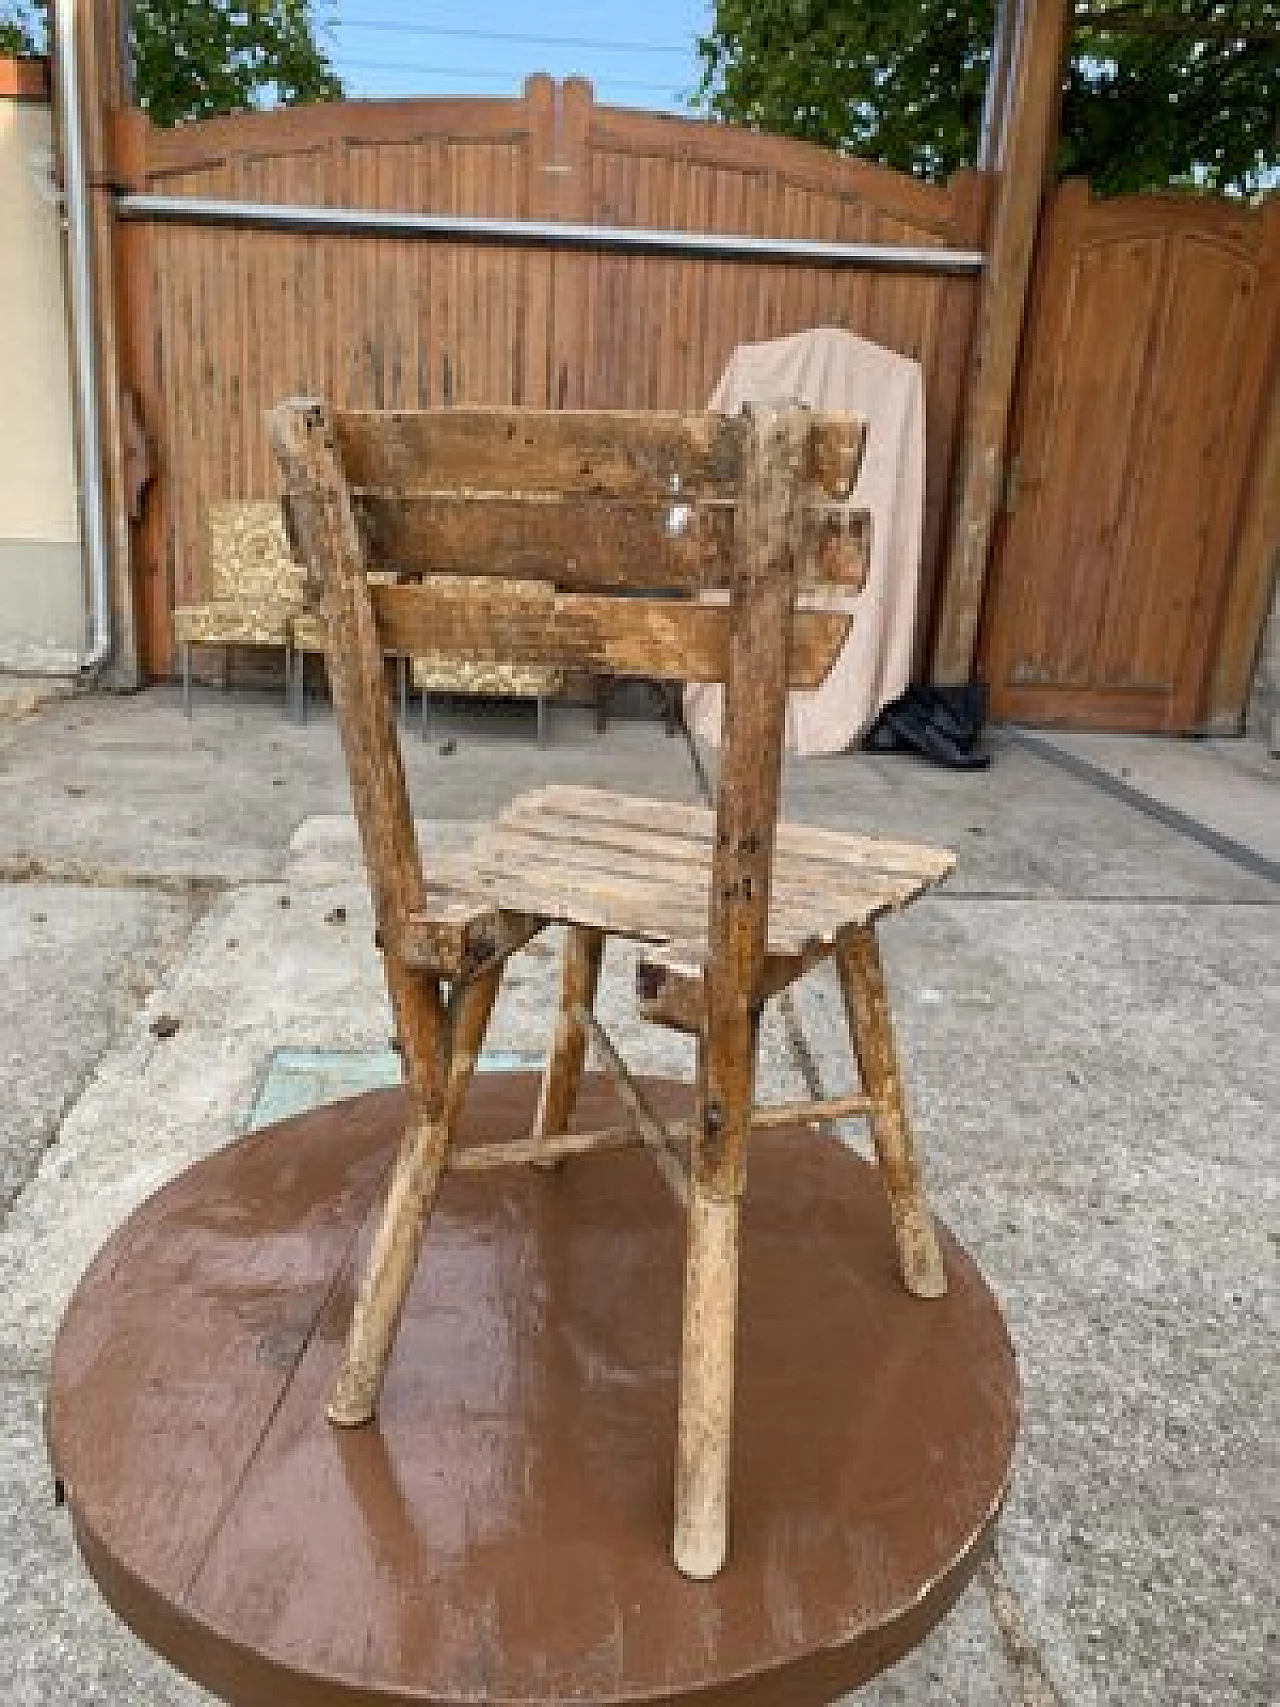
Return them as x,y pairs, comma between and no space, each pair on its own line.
750,777
647,454
1041,33
591,542
397,1242
579,979
325,529
1127,568
529,622
866,1001
224,323
705,1422
643,868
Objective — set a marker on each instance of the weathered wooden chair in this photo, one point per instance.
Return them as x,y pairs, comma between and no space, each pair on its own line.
732,906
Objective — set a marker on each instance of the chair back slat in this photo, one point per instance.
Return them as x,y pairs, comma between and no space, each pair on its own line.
615,453
587,542
529,622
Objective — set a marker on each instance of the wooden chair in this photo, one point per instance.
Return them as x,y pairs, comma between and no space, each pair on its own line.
732,906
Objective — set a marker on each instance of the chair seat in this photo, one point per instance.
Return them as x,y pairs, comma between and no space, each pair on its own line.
222,622
640,868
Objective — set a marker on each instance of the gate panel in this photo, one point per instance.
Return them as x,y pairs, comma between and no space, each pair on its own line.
1146,365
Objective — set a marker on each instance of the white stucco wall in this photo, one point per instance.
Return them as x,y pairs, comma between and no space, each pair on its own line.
42,603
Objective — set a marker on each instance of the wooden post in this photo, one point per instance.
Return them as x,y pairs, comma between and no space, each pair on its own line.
1256,558
995,107
1030,132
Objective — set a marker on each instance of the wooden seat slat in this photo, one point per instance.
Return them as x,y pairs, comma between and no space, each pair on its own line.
678,830
650,881
619,454
794,886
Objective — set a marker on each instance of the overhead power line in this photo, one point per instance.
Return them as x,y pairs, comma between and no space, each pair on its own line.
471,75
394,26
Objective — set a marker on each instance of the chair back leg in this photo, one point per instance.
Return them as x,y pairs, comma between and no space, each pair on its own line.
762,601
866,1004
579,980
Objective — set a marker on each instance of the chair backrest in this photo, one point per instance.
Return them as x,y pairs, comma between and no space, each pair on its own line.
568,507
249,563
592,520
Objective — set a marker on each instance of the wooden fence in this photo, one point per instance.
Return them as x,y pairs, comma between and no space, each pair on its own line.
218,323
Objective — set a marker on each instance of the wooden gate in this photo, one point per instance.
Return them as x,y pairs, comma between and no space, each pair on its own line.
1148,362
221,322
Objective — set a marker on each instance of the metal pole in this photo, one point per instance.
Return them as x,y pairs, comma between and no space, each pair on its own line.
80,273
550,234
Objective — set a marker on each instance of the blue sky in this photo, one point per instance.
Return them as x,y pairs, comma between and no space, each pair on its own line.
636,55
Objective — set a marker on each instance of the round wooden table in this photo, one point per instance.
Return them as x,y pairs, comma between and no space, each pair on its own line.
502,1534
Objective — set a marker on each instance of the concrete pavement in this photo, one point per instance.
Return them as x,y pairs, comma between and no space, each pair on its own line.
1088,1010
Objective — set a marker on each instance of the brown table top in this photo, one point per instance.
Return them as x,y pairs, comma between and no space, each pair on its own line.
501,1535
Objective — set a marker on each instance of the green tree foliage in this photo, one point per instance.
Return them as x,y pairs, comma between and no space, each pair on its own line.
21,30
1146,103
195,58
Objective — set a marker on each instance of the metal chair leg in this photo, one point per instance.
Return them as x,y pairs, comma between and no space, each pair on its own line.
186,677
542,719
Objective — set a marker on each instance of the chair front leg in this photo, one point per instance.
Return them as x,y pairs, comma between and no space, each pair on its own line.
866,1005
415,1181
562,1076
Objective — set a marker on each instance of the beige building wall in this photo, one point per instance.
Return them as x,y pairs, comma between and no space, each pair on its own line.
42,598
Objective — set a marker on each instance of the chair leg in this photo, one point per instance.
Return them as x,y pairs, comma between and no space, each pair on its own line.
704,1428
579,980
866,1004
705,1424
541,703
414,1183
186,678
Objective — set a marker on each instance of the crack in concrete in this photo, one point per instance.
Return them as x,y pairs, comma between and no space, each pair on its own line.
31,868
1035,1686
